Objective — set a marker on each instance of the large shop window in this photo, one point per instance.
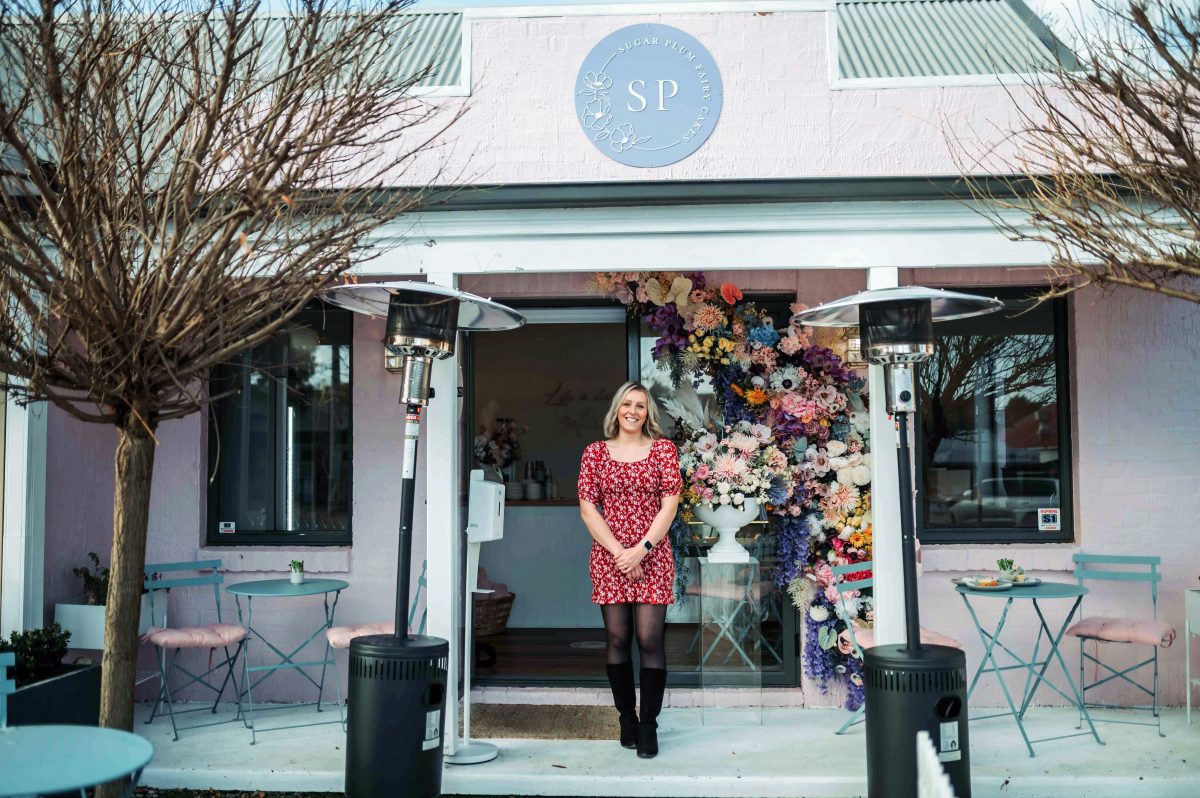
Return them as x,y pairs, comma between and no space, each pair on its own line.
994,432
280,448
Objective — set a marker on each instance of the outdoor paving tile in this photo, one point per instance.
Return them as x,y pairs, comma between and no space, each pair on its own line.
768,760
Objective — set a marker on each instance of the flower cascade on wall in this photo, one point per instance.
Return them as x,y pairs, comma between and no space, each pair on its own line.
791,432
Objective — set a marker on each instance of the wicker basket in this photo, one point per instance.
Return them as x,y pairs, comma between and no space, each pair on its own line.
491,615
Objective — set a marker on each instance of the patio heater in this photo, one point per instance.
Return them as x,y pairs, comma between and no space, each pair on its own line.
397,690
910,687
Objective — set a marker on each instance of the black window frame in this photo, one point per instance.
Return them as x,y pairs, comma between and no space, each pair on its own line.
218,450
1062,365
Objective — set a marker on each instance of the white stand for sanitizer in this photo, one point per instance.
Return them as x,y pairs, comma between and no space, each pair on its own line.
485,521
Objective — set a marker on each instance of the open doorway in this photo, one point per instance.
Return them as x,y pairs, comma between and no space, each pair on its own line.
537,398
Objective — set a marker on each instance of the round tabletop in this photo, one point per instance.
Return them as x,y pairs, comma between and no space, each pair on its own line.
1044,590
36,760
283,588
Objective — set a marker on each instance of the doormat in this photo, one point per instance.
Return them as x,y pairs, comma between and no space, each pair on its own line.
543,722
590,644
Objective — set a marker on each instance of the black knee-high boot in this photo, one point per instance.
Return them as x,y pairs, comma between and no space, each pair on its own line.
620,678
654,683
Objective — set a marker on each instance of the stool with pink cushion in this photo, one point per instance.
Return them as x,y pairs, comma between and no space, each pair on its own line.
852,639
1137,631
175,639
339,637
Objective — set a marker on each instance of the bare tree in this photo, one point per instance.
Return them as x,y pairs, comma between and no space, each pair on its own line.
1105,162
180,179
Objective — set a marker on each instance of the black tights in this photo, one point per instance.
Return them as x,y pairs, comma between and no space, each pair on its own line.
650,621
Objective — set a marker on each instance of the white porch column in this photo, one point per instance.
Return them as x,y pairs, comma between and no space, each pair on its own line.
24,535
442,532
885,496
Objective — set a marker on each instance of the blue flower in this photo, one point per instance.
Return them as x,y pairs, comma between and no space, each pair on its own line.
767,336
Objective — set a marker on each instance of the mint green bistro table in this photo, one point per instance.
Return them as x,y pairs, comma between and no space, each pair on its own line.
37,760
1035,669
282,589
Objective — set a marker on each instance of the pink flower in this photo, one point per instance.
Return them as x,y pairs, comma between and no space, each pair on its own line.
844,645
708,317
844,497
641,294
789,345
742,442
622,293
703,472
765,357
729,467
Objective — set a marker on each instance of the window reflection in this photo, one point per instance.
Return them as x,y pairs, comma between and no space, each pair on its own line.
990,421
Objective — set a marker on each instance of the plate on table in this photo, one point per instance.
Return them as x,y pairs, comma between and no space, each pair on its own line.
1029,582
972,582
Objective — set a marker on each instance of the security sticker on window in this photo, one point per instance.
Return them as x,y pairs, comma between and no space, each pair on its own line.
226,527
432,729
1048,519
948,750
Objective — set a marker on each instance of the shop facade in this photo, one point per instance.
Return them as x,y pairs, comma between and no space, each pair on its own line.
828,171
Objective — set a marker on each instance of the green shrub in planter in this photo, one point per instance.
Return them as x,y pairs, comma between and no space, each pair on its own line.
47,690
39,653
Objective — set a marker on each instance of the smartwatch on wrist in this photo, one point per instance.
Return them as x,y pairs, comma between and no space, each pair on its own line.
649,546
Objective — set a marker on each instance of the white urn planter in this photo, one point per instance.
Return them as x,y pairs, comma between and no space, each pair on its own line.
85,622
727,520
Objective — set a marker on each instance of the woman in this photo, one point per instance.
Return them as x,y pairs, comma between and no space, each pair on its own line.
629,487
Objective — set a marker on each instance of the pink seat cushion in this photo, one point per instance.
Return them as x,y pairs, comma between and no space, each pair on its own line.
215,635
340,636
1143,631
866,638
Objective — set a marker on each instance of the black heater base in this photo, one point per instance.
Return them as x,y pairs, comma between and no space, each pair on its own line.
912,691
397,710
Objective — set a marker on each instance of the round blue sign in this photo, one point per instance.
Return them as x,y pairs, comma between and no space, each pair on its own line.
648,95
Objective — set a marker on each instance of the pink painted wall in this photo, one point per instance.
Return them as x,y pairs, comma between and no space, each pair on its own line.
1137,426
1135,388
780,118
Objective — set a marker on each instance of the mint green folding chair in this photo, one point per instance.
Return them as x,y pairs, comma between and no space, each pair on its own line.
7,686
844,586
171,640
1150,632
339,637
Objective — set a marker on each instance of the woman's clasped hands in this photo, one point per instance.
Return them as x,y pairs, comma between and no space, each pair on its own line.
629,562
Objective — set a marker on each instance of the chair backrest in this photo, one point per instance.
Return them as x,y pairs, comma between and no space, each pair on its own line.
1120,568
7,660
422,585
163,576
844,586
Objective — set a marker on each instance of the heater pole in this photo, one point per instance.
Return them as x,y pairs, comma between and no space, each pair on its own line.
912,618
408,489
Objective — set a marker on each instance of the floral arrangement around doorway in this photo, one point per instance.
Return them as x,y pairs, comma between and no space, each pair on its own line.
806,414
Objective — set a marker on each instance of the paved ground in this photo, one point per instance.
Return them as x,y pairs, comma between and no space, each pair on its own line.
792,753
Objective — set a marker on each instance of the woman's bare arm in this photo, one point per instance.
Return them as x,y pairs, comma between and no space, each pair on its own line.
597,527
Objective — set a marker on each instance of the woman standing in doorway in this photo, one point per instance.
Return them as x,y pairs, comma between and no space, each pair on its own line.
629,487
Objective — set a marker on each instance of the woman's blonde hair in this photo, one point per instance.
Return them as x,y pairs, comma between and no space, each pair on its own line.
651,428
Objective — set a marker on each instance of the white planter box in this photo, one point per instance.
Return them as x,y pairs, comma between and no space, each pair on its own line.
85,622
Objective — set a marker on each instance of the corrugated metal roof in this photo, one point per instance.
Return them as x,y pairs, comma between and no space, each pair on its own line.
925,38
416,42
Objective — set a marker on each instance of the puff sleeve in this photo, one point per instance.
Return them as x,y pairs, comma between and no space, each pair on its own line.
671,482
589,474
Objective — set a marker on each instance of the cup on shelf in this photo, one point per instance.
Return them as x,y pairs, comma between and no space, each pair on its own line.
533,490
514,491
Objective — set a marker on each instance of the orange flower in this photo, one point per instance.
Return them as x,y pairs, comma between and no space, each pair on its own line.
730,293
756,396
737,389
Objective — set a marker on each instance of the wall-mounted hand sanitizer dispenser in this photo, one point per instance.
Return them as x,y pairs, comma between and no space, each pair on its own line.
485,509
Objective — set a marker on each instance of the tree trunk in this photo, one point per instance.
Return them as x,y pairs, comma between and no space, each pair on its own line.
131,511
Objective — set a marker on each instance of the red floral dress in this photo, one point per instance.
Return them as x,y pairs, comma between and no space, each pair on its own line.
629,496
